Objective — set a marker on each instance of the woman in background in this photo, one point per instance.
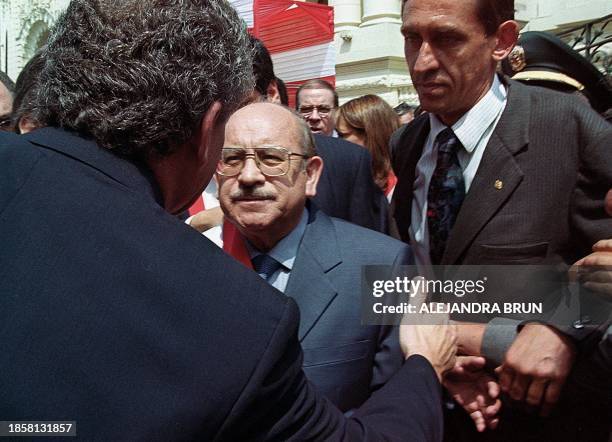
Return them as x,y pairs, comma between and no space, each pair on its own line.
369,121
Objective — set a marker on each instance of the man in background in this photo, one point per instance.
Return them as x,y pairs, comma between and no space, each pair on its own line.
405,112
543,59
315,100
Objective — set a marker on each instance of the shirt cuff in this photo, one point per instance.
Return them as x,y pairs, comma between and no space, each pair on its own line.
497,339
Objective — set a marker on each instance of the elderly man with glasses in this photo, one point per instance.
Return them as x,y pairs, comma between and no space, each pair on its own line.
316,101
268,170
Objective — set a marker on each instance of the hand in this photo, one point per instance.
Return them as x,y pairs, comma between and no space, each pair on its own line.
432,337
475,390
598,279
536,366
207,219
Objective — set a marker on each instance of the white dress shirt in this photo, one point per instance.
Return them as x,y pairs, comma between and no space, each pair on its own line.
474,129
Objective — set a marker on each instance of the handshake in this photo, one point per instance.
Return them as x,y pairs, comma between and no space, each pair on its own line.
536,365
533,372
436,339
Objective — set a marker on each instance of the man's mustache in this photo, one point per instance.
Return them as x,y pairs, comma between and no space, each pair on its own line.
239,195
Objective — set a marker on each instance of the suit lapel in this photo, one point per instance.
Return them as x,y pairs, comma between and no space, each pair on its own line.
411,144
309,283
497,176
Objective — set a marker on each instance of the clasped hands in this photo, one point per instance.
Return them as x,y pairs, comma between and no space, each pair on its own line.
538,362
533,372
434,337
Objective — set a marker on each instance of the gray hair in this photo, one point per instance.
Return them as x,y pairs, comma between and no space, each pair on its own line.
137,76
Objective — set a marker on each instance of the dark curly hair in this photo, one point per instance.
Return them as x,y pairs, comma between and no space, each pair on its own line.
137,76
263,68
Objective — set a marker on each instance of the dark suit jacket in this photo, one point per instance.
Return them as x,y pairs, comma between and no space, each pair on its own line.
553,155
346,189
344,359
115,314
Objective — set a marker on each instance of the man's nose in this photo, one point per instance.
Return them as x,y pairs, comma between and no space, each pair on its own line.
425,60
315,115
250,174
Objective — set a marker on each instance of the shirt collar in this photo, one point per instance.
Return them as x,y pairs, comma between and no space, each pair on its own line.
471,127
286,250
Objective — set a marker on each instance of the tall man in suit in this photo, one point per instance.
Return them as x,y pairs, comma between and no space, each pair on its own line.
315,259
497,173
115,314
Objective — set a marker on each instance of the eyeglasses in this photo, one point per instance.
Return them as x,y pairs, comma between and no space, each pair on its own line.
323,111
271,161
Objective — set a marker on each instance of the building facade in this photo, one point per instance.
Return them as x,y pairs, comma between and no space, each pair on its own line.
24,27
369,46
368,43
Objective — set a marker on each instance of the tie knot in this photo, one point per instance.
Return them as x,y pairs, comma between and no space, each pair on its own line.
447,141
265,265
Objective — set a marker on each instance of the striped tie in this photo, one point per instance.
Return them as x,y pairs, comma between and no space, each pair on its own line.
265,266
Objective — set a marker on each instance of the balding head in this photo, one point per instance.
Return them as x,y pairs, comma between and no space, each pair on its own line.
267,172
275,119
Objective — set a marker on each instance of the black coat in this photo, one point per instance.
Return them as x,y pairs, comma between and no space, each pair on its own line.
118,316
346,189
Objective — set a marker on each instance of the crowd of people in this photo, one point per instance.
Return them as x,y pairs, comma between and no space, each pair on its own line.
182,253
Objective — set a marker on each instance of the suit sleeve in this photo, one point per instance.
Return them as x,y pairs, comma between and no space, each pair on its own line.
280,405
389,358
588,220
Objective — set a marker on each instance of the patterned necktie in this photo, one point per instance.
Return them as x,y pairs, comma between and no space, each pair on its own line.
446,193
265,265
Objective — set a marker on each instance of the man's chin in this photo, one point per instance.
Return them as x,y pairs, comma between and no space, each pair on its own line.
251,224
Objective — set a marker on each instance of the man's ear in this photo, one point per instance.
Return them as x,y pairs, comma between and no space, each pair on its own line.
272,93
505,39
26,124
211,128
206,148
314,168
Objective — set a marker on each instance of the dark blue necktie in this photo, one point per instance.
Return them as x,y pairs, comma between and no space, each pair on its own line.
265,265
446,193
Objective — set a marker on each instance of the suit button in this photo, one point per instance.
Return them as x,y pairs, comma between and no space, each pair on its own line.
578,325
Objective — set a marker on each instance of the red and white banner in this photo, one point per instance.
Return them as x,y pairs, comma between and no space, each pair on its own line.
299,36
